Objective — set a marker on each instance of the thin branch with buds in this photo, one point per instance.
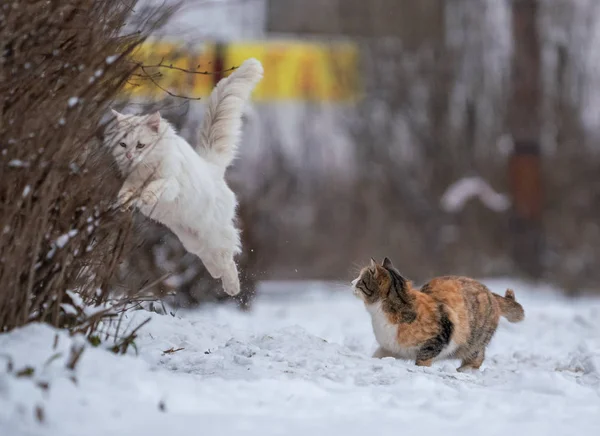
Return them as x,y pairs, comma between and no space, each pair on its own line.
172,94
153,76
161,64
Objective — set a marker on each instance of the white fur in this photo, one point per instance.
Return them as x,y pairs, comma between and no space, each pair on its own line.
447,352
222,122
186,190
386,335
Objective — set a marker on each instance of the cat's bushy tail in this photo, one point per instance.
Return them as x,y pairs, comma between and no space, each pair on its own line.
222,123
511,310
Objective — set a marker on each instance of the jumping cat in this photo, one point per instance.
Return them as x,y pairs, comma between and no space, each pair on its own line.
448,318
183,188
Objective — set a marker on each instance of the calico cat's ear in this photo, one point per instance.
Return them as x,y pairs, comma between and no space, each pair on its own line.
387,263
373,264
153,121
396,274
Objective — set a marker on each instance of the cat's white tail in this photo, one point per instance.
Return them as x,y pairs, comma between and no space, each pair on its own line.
222,123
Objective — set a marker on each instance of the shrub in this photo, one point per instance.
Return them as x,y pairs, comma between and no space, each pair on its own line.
60,239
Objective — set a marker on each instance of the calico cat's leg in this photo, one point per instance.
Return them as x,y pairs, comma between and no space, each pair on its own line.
473,357
426,362
472,361
426,355
381,352
435,345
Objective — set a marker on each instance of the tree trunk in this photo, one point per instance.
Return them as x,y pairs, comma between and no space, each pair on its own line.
524,124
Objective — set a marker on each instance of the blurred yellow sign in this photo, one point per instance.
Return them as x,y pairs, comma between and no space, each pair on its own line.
293,70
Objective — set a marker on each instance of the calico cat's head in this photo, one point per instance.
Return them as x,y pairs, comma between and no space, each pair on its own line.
376,281
133,137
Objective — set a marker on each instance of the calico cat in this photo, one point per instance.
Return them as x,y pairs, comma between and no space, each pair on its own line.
184,187
449,317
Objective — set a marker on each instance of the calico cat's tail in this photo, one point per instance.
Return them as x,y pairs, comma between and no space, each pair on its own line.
511,310
222,123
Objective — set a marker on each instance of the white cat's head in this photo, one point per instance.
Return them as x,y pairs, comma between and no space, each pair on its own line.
134,137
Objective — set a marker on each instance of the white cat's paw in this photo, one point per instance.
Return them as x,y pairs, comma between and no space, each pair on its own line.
231,286
148,198
124,199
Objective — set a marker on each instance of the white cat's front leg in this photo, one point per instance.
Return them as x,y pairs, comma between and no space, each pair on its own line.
170,189
163,189
148,197
126,193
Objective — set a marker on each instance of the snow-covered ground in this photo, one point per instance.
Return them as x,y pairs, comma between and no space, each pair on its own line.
299,364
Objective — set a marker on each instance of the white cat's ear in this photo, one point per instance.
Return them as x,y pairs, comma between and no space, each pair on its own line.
120,117
153,121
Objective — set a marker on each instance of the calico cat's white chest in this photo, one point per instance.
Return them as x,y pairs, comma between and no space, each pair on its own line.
386,333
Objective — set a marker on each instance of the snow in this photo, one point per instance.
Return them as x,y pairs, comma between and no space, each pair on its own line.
460,192
73,101
62,240
17,163
299,364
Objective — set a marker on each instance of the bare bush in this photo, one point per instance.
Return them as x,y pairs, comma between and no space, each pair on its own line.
60,240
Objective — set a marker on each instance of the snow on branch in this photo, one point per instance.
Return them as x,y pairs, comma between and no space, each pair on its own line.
460,192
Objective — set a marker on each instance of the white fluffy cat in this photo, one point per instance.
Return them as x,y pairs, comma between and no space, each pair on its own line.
183,188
